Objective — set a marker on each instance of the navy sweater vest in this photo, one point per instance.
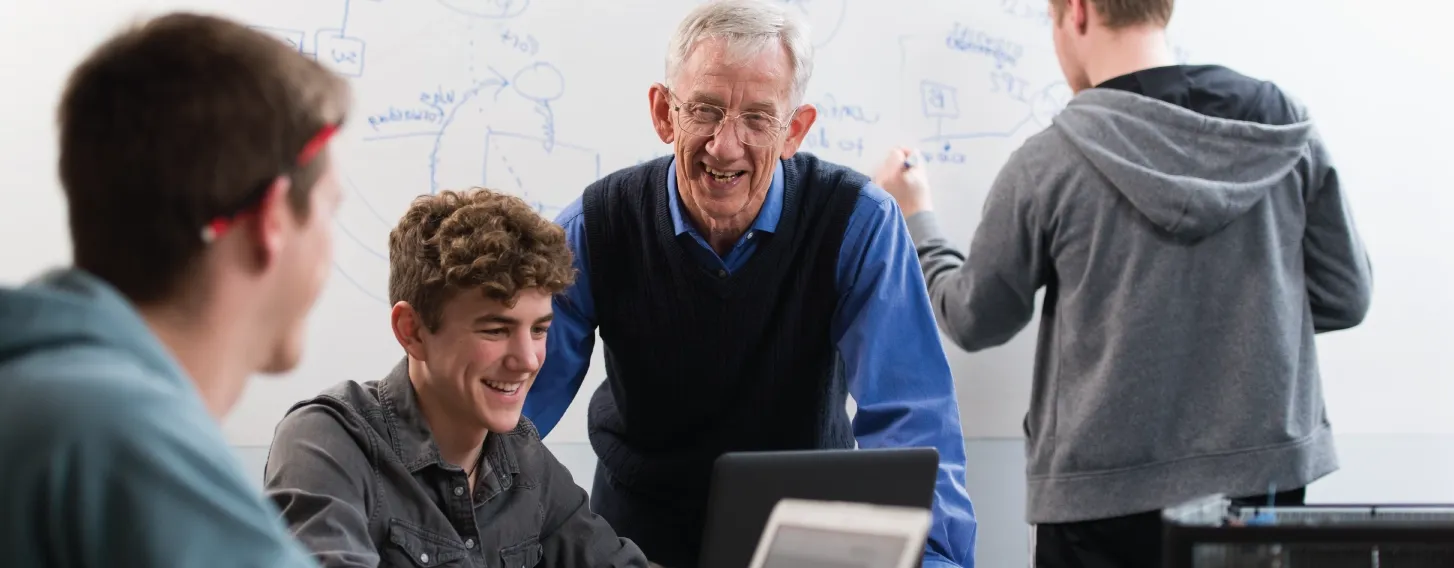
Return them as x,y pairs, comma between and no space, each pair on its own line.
698,363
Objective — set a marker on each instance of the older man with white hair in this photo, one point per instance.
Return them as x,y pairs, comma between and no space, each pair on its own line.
743,289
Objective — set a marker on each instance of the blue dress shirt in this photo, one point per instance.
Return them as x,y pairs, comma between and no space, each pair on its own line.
896,369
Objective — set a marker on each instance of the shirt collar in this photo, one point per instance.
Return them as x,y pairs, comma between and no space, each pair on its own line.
413,440
767,218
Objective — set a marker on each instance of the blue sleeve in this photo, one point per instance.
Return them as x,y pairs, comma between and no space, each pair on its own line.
152,486
896,368
572,335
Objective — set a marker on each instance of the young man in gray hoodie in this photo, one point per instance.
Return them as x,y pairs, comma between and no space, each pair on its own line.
1190,231
201,191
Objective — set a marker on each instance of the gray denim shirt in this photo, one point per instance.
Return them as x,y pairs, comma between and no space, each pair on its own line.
360,482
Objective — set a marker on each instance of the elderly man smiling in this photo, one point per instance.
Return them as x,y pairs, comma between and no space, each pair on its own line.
742,290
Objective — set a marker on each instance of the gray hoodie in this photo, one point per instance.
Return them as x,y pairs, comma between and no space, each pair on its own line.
108,455
1188,262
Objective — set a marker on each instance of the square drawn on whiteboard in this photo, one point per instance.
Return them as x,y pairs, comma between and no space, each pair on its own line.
345,55
939,100
293,38
548,175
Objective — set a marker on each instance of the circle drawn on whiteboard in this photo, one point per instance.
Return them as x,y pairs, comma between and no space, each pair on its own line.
1049,101
540,82
491,9
824,17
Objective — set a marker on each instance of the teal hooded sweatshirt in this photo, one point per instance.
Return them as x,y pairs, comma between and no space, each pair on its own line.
108,456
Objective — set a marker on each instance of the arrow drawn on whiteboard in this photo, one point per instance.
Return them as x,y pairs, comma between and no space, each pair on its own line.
499,82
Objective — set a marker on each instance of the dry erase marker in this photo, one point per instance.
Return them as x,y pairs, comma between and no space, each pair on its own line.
912,160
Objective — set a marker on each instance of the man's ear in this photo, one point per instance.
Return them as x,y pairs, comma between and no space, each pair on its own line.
274,215
661,113
408,329
798,128
1079,14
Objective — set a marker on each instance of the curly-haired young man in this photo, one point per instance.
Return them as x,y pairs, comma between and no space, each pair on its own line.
434,463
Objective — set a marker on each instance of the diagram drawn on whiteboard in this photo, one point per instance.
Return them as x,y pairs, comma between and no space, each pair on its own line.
824,17
498,128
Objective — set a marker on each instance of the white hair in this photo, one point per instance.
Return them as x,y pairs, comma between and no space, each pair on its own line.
748,27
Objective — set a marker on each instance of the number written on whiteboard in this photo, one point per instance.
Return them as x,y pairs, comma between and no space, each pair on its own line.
523,43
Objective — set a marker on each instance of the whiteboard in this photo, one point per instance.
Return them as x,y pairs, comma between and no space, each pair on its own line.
540,97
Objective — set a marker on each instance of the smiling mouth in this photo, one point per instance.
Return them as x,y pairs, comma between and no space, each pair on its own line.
722,176
506,388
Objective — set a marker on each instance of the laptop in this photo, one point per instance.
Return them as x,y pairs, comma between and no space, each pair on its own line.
835,534
747,486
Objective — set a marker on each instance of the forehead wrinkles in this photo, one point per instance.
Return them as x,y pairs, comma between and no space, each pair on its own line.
758,74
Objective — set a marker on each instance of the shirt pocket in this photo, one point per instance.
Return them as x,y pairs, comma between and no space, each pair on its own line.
524,555
412,545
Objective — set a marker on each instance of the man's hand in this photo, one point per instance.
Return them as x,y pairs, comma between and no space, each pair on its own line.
904,177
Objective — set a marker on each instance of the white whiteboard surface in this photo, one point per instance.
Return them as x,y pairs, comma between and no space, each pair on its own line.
540,97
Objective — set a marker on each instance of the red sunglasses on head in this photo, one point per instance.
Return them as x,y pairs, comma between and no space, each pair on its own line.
219,224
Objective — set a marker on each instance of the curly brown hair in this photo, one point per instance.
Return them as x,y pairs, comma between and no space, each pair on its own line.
477,239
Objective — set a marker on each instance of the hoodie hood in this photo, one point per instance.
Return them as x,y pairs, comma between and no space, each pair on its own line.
67,309
1189,173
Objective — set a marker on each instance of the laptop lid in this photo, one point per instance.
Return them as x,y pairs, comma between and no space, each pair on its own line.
747,486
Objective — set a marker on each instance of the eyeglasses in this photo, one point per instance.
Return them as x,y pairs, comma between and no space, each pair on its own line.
219,224
753,129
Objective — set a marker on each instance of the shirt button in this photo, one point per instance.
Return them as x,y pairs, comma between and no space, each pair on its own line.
749,235
458,491
721,273
424,558
469,543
